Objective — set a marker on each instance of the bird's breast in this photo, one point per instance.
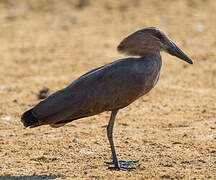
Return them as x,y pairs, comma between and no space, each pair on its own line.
156,79
147,77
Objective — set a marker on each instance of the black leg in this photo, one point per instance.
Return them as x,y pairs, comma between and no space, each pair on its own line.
110,138
118,165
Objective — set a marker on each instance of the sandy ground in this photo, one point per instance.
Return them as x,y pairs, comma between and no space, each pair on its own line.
49,43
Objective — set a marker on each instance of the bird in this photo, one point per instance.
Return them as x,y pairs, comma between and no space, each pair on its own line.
110,87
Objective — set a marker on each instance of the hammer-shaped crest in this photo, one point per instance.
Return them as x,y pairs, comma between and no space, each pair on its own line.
148,41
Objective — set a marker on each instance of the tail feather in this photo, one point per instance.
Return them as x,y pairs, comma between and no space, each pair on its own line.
28,119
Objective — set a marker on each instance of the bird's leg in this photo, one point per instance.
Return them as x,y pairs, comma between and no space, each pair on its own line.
110,138
118,165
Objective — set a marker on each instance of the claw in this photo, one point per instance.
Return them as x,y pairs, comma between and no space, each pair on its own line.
122,168
108,162
122,162
122,165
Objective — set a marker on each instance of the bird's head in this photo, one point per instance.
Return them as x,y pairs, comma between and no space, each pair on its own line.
150,40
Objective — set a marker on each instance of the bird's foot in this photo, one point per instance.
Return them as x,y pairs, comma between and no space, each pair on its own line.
122,162
122,168
122,165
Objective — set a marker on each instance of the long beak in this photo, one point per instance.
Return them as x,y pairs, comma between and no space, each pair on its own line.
175,51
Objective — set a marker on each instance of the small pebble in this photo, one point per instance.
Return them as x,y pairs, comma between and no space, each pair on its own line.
185,135
7,118
84,152
200,28
75,140
43,93
15,100
203,111
2,86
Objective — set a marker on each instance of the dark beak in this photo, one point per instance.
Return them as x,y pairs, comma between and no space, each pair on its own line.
175,51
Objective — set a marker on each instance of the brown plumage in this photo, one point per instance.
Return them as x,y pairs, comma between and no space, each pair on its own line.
110,87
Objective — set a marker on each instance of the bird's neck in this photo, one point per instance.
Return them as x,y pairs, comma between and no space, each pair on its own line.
153,60
152,55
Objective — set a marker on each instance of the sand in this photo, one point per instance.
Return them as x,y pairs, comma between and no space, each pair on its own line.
48,44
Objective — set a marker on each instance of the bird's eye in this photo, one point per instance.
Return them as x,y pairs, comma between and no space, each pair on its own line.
159,36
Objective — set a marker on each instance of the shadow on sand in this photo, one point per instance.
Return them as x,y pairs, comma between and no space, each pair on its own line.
34,177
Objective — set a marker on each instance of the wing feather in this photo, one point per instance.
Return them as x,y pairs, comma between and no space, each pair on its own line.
102,89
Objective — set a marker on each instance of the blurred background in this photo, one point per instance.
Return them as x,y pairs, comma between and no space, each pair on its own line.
46,44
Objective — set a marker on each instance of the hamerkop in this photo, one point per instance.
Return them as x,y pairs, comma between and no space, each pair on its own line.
110,87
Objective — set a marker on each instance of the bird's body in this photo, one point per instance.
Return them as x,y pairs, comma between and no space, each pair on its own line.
99,90
110,87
